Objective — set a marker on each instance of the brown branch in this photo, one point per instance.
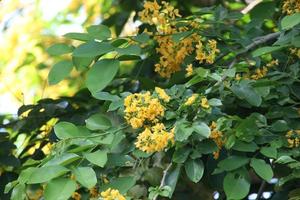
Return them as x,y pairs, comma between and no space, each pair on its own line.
162,182
256,42
261,189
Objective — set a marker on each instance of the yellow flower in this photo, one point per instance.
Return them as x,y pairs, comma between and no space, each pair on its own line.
141,108
162,94
112,194
76,196
273,63
154,139
204,103
189,70
291,6
208,52
93,192
293,138
295,52
172,53
217,137
191,100
156,14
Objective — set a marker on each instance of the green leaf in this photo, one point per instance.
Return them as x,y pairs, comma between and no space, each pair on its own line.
60,189
101,74
142,38
181,35
245,146
86,176
18,192
245,91
105,96
59,49
98,158
62,159
130,50
230,142
172,178
265,50
78,36
202,129
236,186
59,71
82,63
270,152
99,32
262,169
92,49
25,174
44,174
194,170
279,126
10,186
65,130
233,162
123,184
290,21
183,131
215,102
119,160
181,154
98,122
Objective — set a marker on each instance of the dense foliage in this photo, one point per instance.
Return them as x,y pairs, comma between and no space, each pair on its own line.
200,103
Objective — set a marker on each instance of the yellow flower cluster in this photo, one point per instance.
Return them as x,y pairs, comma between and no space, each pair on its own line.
217,137
162,94
173,53
141,108
154,139
93,192
156,14
259,73
293,138
295,51
291,6
204,103
76,196
208,52
192,99
189,70
111,194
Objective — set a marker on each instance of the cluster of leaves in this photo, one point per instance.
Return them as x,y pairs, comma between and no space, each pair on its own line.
93,146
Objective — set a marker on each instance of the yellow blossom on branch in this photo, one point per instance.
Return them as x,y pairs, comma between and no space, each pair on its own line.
207,53
291,6
141,108
204,103
112,194
191,100
217,137
162,94
293,138
189,70
154,139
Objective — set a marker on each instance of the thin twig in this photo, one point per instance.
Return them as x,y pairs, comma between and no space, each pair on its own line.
162,182
256,41
261,189
250,6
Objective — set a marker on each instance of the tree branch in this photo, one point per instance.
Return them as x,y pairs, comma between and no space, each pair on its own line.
261,189
256,41
250,6
162,182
